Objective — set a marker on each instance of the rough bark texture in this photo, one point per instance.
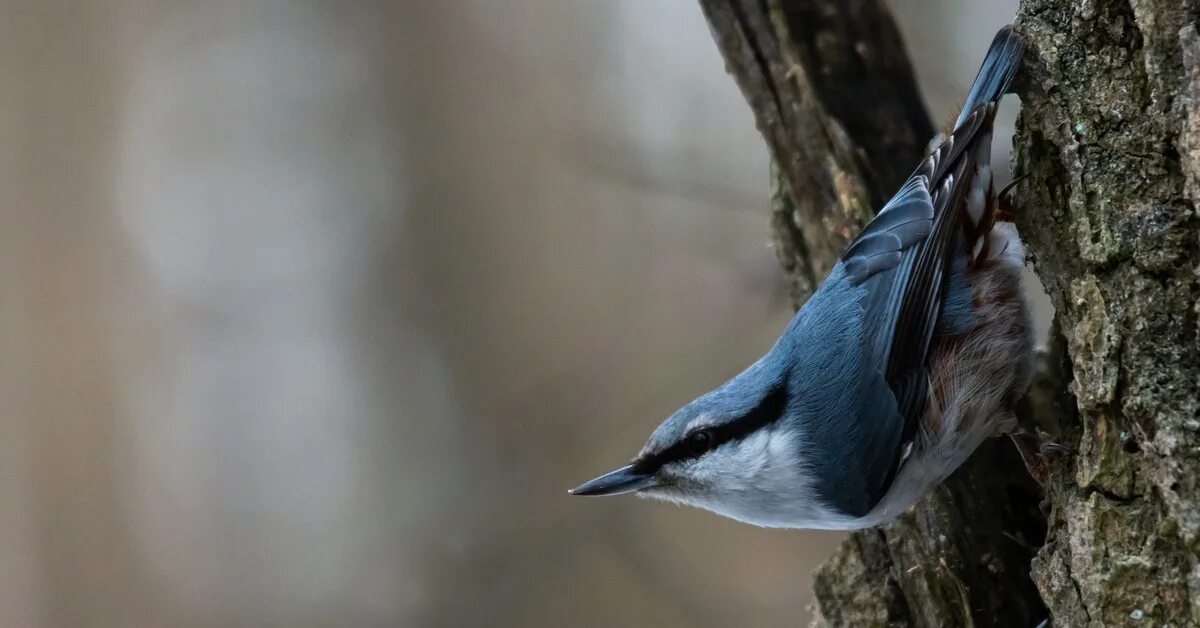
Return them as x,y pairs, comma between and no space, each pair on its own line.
1110,141
1108,137
830,172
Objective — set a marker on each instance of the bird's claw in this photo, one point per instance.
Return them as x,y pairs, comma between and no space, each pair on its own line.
1037,449
1051,449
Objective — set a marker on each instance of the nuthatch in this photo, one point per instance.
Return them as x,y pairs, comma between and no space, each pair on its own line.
911,353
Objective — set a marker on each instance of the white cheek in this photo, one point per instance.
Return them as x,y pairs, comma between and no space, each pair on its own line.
781,445
758,462
781,472
759,480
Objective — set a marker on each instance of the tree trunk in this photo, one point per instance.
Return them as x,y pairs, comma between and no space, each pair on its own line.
1109,143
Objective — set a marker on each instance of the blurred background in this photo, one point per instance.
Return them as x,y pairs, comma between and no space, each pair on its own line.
313,310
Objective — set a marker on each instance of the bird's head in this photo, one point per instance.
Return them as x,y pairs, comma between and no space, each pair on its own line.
735,451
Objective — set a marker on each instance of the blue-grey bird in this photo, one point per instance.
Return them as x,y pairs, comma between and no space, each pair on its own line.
911,353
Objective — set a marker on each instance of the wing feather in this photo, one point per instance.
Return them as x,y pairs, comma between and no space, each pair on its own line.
902,262
902,257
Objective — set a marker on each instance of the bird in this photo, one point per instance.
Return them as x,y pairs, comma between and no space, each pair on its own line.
910,354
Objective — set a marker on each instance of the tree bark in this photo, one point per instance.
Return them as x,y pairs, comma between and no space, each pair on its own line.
1108,137
1109,140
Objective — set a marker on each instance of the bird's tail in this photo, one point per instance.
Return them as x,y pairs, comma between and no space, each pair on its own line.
997,72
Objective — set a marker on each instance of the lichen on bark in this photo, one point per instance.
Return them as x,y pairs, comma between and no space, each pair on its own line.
1108,211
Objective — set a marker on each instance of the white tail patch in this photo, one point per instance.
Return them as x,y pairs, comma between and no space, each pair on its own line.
981,181
977,195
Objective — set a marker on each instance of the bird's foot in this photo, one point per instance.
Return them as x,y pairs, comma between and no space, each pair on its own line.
1006,207
1038,449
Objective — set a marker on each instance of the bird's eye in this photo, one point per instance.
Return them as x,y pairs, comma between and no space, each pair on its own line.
699,441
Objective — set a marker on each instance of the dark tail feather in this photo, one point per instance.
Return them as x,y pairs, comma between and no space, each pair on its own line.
997,72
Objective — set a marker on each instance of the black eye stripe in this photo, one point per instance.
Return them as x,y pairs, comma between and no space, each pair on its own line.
769,410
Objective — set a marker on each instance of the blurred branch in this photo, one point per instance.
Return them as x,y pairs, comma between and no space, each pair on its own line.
833,168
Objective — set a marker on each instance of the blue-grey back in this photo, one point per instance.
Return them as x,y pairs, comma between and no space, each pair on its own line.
847,413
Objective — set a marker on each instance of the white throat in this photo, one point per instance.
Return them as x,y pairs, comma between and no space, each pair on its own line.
761,479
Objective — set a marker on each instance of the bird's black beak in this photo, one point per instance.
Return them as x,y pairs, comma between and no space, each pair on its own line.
623,480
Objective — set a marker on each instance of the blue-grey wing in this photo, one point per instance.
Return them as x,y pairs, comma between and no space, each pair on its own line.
902,257
855,315
901,266
906,220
